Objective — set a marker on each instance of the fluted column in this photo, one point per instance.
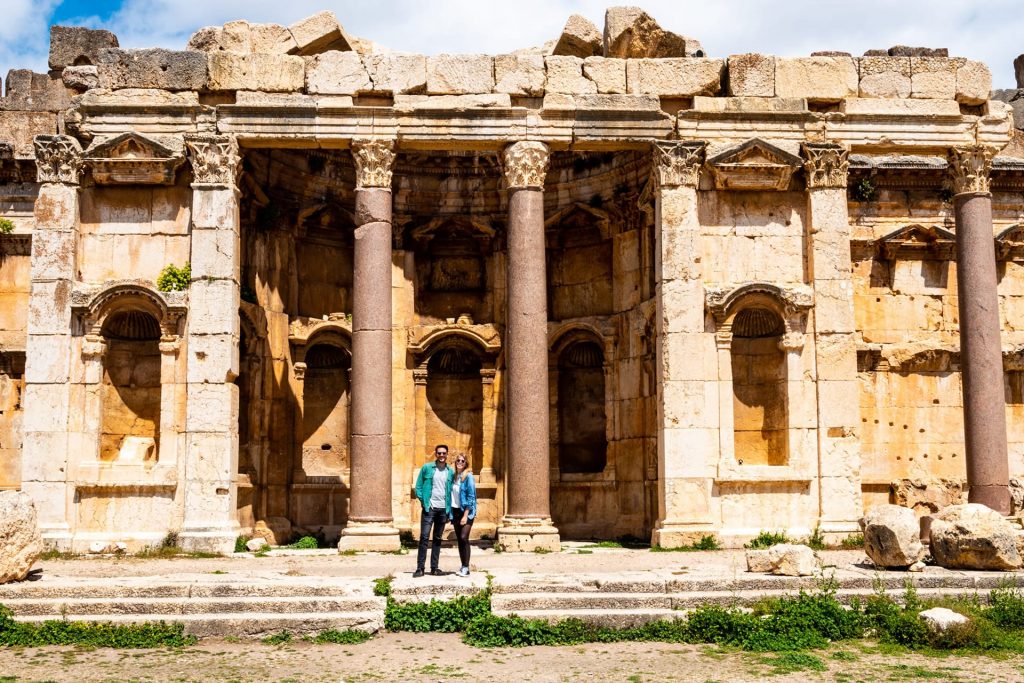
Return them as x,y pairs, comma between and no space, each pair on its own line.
981,358
840,506
370,523
46,400
527,524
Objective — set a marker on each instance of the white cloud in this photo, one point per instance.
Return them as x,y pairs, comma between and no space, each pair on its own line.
24,34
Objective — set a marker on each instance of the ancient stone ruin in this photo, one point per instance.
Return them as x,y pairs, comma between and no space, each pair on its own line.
647,291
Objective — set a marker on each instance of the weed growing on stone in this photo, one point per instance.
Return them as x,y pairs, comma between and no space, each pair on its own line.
240,544
852,542
766,539
90,634
6,226
382,587
304,543
706,542
174,279
281,638
447,616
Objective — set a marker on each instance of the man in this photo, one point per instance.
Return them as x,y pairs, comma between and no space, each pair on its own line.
434,491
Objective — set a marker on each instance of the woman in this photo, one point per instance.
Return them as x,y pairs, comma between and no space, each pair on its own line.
463,508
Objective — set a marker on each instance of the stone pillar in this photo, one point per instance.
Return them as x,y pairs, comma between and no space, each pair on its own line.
47,396
981,358
210,521
370,520
685,355
527,524
840,501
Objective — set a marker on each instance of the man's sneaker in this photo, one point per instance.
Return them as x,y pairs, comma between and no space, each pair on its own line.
464,571
417,574
436,572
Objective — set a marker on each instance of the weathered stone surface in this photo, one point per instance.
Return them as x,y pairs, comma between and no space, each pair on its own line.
892,536
907,51
397,73
20,542
29,91
884,76
256,544
973,536
684,77
81,77
243,38
1018,70
272,39
580,38
751,75
792,559
319,33
927,496
749,104
933,77
76,46
519,74
460,74
973,82
271,73
899,107
941,618
1014,98
336,73
759,561
565,75
454,102
20,127
632,33
816,78
275,530
608,74
152,68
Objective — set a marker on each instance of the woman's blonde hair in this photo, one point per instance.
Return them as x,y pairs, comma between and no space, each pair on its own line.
467,471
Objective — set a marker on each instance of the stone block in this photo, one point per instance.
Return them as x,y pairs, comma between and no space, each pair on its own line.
336,73
453,102
973,536
833,306
750,104
46,456
899,107
816,78
565,75
973,82
892,536
1018,70
271,39
681,305
19,128
609,75
792,560
270,73
152,68
53,255
49,307
580,38
81,78
320,33
397,73
212,464
884,76
74,45
212,359
19,536
1015,99
29,91
751,75
45,405
213,307
759,561
519,74
631,32
215,209
933,78
460,74
212,408
674,77
215,254
618,102
837,356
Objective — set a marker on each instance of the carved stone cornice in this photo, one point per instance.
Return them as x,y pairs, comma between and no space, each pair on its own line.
678,164
375,161
526,164
214,159
826,165
970,168
58,159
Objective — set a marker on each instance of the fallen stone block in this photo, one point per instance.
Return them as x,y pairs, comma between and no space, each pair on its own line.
20,541
77,46
759,561
940,619
152,68
792,559
630,32
892,536
275,530
319,33
256,544
973,536
336,73
926,496
751,75
269,73
580,38
460,74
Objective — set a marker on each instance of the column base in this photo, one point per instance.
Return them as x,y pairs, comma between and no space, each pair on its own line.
681,536
528,535
377,537
210,540
57,538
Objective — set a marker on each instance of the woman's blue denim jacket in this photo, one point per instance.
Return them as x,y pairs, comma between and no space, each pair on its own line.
467,495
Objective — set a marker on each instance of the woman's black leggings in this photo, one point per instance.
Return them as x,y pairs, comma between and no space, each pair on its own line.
462,535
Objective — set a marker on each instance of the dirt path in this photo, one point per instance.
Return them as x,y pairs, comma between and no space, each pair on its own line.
443,657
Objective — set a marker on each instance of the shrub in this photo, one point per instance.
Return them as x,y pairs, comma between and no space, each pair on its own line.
513,631
382,587
852,542
766,539
6,226
443,616
240,542
305,543
816,541
864,190
1006,607
278,638
174,279
91,634
895,624
708,542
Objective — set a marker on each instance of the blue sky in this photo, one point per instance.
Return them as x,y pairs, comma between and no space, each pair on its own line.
992,31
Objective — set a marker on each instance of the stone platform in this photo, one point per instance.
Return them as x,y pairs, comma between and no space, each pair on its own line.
309,591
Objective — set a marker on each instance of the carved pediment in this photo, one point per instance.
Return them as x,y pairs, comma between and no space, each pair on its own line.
453,253
753,165
134,159
920,242
330,220
578,216
1010,244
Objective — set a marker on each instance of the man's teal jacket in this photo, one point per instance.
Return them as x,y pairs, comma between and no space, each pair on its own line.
425,484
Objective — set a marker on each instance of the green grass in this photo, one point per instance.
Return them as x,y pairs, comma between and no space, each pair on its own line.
766,539
90,634
346,637
707,542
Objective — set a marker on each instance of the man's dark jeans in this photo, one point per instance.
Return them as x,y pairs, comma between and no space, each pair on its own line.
436,517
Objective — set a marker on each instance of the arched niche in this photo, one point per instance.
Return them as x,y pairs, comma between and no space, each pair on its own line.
581,422
759,388
253,413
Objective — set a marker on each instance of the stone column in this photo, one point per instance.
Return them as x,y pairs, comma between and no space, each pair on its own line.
527,524
47,396
370,520
840,502
981,358
685,356
210,521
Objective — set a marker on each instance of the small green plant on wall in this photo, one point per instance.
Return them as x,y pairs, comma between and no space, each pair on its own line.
864,190
174,279
6,226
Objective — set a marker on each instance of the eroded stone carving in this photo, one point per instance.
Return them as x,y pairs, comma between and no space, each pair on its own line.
970,167
375,160
133,158
678,163
214,159
58,159
827,165
526,164
753,165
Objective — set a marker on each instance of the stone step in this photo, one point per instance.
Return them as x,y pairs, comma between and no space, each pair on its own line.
166,607
610,618
247,624
154,588
514,602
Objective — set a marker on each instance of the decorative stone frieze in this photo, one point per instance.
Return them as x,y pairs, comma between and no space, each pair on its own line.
375,160
526,164
134,159
753,165
678,163
58,159
970,167
917,242
827,165
214,158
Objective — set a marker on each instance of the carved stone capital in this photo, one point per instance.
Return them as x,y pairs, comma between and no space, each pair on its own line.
375,160
677,164
299,371
214,158
170,344
58,159
826,164
526,164
970,167
93,347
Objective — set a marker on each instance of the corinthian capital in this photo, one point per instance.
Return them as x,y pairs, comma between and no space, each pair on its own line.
678,164
969,168
58,159
826,165
526,164
375,160
214,158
